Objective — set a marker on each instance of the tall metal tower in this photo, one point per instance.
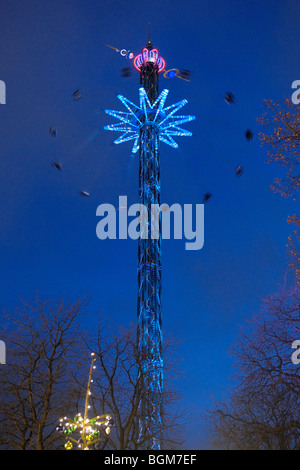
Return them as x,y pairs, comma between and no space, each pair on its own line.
148,124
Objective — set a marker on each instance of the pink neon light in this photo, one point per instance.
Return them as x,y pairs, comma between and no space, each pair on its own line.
149,56
137,58
162,68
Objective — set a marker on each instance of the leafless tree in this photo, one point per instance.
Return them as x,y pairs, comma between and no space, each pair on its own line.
45,377
281,137
263,409
36,383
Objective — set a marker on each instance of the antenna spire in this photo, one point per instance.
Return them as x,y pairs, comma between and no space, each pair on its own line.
149,43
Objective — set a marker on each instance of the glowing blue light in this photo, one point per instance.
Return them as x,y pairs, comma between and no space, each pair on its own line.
168,140
123,138
172,73
146,114
160,101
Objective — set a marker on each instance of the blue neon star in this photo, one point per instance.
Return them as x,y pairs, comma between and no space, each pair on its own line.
138,116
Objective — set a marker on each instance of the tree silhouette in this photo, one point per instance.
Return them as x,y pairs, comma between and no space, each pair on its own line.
36,382
262,410
45,378
282,138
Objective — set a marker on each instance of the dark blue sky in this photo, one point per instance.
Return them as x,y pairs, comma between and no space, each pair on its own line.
48,232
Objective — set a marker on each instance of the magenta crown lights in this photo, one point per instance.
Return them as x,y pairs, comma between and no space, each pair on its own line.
151,56
136,117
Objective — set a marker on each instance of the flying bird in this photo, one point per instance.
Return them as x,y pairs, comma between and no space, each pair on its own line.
239,170
249,134
206,197
84,193
229,97
185,75
77,95
126,72
53,132
57,165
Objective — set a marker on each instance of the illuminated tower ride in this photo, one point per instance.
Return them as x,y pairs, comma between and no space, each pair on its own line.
147,125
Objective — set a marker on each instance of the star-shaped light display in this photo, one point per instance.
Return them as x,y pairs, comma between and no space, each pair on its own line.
146,113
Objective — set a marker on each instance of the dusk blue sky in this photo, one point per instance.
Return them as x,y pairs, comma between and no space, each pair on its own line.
48,231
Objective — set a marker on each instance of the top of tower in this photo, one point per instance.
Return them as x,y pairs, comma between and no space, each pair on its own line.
149,55
149,44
